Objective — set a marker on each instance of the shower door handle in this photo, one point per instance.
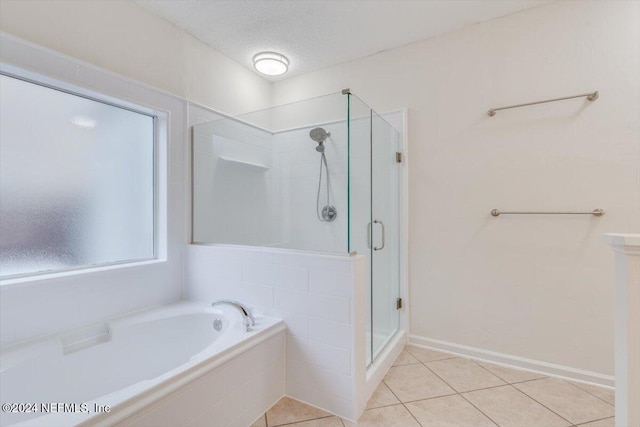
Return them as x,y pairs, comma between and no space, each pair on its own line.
375,221
369,235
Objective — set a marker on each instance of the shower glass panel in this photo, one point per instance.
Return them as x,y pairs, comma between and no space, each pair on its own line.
316,175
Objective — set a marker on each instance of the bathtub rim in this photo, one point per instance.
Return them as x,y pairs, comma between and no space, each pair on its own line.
116,323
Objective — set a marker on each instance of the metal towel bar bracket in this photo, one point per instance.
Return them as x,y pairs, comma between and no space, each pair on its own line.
595,212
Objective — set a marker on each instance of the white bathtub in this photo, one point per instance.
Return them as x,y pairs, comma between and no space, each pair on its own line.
126,364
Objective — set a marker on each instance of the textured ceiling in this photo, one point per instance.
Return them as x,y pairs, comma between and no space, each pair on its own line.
318,34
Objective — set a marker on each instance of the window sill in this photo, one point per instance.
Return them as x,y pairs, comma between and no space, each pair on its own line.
16,281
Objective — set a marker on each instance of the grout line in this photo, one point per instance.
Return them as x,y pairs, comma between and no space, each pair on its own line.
597,397
459,394
299,421
479,410
467,391
492,373
530,397
528,381
429,398
385,406
406,364
304,421
484,388
542,377
593,421
402,403
399,402
411,413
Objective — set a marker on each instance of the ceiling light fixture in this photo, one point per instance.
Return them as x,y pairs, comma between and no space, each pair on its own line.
271,63
83,122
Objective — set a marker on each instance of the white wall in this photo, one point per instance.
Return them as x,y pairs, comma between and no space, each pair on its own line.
123,38
535,287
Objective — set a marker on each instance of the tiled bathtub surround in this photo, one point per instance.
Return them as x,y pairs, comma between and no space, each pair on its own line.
426,388
321,299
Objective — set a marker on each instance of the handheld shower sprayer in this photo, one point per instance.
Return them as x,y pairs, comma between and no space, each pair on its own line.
329,212
319,135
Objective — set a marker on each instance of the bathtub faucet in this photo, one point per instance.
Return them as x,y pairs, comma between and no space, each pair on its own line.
247,318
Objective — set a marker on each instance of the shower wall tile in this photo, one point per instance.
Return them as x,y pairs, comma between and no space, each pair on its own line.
326,307
330,282
276,275
325,356
255,256
219,268
297,324
299,169
321,380
328,332
209,288
326,262
313,293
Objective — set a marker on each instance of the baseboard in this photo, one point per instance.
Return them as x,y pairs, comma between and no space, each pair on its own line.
511,361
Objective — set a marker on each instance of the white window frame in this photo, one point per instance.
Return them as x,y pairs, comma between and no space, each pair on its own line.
160,172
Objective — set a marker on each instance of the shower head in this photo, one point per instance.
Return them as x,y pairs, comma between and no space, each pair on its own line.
319,135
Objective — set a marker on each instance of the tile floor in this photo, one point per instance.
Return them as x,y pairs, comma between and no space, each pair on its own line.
426,388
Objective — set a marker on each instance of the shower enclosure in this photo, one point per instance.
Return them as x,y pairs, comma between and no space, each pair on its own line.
316,175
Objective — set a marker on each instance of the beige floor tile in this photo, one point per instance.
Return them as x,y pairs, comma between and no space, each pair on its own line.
321,422
606,394
426,355
288,411
607,422
510,408
415,382
448,411
260,422
464,374
511,375
572,403
404,358
389,416
382,396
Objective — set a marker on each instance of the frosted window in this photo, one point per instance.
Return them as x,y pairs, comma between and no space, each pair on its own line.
76,181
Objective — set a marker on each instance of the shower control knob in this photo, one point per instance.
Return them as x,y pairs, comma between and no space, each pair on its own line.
329,213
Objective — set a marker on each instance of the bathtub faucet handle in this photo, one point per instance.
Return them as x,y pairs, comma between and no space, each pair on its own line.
247,317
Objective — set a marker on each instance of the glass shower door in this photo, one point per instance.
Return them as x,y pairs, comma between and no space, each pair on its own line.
373,217
384,250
